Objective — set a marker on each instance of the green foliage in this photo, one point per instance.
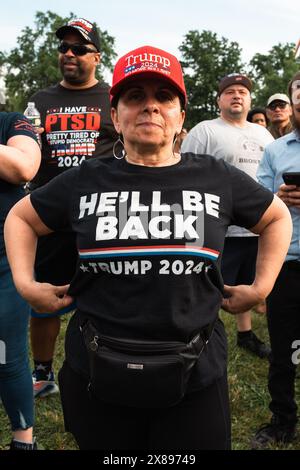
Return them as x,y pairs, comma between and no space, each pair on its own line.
33,63
206,59
272,72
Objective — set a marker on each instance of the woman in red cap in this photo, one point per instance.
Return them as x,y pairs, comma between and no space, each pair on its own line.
145,360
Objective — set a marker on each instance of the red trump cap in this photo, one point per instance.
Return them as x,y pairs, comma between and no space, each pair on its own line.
148,61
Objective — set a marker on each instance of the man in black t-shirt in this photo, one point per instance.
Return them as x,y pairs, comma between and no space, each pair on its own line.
75,116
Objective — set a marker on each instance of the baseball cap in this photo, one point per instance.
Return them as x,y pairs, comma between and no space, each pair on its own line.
234,79
86,29
148,61
278,97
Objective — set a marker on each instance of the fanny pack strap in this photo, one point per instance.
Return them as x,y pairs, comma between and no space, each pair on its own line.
198,342
201,339
207,331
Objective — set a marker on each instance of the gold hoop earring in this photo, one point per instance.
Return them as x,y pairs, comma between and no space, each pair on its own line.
122,153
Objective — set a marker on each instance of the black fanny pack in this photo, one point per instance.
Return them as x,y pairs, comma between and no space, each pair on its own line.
150,374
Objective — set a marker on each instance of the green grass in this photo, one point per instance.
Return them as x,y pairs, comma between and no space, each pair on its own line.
248,395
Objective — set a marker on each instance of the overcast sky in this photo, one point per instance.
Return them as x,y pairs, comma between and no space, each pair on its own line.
256,25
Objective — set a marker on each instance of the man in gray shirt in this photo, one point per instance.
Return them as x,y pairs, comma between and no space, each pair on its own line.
241,144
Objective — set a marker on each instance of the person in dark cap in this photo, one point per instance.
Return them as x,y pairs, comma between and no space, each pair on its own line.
75,116
258,116
145,360
234,79
232,138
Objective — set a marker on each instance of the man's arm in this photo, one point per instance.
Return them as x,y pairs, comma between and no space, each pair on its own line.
265,173
289,194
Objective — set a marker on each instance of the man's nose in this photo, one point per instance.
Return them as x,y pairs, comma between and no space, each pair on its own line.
69,53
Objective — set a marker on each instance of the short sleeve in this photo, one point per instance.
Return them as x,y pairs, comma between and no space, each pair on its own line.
265,172
195,141
53,201
18,124
249,199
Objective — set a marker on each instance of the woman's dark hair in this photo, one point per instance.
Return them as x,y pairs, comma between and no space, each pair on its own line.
257,110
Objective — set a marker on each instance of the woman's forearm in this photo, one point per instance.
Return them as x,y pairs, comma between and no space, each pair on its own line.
273,246
20,241
21,230
275,229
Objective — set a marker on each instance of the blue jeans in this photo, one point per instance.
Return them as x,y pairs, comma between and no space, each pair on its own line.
15,376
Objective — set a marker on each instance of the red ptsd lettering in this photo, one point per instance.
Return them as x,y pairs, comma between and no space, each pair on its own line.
73,122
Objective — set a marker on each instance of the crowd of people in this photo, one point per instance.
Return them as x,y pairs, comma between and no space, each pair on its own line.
145,230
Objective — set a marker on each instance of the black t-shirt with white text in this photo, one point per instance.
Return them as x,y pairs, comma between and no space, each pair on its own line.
77,127
150,241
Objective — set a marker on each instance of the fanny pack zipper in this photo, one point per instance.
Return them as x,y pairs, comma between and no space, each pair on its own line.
135,346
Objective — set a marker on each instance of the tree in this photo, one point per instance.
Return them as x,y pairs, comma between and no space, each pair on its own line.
206,59
272,72
33,64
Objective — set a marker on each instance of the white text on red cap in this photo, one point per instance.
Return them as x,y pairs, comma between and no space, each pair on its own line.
146,57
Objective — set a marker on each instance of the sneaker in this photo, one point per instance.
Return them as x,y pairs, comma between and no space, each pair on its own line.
43,388
16,445
253,344
273,433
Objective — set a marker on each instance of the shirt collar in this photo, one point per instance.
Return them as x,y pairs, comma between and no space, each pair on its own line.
292,137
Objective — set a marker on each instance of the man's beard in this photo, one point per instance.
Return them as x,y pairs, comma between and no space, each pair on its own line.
236,113
75,76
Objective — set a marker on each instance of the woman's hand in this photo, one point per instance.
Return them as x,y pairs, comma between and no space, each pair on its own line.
241,298
46,298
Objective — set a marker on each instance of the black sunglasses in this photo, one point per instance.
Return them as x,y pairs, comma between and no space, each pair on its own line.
277,104
77,49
